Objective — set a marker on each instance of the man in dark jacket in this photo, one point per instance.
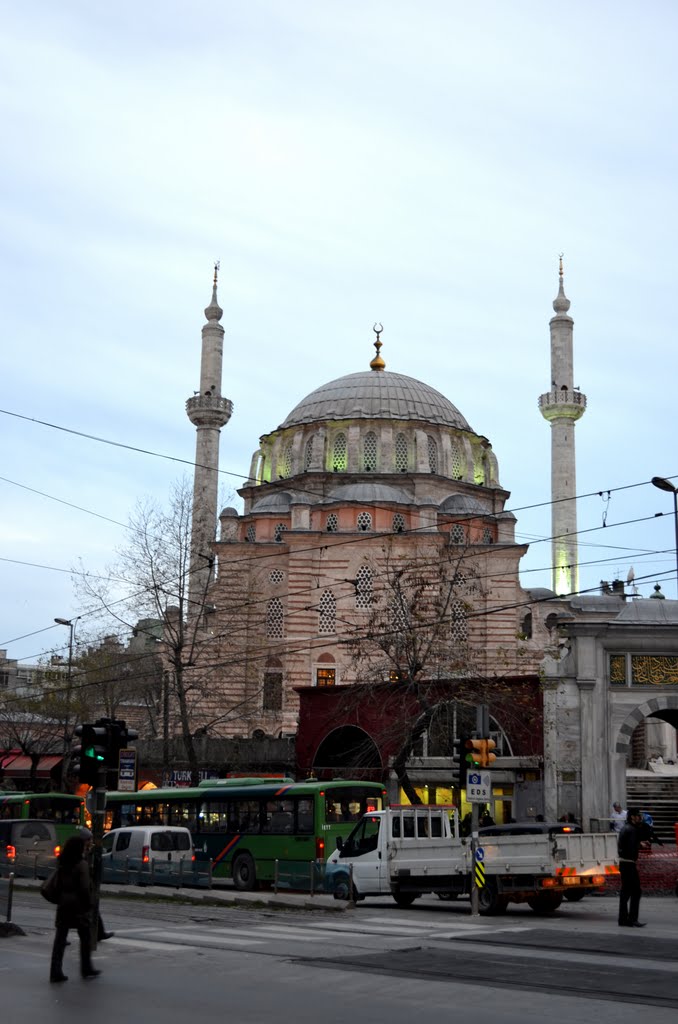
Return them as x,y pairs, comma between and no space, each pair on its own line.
628,845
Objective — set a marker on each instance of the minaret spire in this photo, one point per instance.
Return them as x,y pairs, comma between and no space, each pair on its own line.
208,412
562,406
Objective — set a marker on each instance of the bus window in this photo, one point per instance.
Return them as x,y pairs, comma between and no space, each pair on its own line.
305,815
213,816
247,816
349,803
278,817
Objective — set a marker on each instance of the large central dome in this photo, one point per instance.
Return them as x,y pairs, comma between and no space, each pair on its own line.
376,395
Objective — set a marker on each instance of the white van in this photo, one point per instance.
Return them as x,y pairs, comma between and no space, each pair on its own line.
148,851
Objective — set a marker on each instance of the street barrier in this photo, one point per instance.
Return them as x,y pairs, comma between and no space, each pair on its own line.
133,871
299,876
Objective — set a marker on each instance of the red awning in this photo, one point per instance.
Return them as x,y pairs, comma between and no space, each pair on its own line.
20,767
7,756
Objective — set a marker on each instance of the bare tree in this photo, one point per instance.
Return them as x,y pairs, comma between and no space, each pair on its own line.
34,720
422,638
151,577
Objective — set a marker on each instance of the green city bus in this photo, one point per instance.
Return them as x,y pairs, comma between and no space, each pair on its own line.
64,809
245,825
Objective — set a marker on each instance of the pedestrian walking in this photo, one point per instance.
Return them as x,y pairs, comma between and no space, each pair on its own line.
628,845
73,909
617,817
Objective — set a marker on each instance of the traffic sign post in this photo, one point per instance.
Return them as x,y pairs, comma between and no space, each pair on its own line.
127,770
479,787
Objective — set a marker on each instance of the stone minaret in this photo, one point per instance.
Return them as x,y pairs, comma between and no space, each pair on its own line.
562,406
208,412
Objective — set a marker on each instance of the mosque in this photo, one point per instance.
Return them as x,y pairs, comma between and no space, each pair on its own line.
368,596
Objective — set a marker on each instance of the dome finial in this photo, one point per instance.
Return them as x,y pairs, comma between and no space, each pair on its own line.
214,310
561,303
378,363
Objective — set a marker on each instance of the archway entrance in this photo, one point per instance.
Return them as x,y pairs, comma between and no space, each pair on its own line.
348,751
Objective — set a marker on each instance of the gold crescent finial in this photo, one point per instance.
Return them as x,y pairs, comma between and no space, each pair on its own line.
378,363
217,265
560,267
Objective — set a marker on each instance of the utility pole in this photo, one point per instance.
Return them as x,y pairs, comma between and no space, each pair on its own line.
66,746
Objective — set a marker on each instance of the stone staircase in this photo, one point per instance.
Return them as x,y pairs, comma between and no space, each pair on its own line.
659,797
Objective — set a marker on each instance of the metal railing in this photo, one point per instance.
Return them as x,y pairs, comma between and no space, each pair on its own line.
133,871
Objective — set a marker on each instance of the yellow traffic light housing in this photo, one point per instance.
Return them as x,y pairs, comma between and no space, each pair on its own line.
480,753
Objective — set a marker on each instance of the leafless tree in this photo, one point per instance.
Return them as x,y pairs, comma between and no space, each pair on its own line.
151,577
424,636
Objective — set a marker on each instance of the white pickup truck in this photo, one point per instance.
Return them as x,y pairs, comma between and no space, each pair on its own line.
408,851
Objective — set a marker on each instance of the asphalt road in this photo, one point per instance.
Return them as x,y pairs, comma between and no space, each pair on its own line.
174,962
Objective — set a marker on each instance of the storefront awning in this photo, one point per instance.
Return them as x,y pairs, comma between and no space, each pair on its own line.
20,767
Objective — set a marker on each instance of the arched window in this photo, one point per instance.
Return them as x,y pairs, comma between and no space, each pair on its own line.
325,672
398,523
287,460
275,623
278,532
458,623
478,469
340,454
332,524
363,587
276,576
370,452
456,463
308,454
432,454
251,534
272,693
327,612
364,522
401,454
488,537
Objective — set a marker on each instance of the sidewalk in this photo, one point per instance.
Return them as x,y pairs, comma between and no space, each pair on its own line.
219,894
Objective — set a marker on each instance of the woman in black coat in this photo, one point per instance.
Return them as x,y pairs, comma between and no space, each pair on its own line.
73,909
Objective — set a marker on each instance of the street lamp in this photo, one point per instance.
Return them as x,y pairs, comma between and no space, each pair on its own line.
69,679
666,485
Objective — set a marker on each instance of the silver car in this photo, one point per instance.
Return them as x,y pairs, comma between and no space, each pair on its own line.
28,847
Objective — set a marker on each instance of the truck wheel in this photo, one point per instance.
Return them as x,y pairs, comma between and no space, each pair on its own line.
343,892
244,873
490,902
545,902
447,896
575,896
405,899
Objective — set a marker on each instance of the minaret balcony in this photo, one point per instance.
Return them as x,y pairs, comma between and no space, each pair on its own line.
556,405
209,410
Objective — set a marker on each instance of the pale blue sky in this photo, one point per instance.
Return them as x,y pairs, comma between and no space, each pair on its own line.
418,164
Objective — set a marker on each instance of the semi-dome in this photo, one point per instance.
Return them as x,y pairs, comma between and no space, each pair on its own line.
381,395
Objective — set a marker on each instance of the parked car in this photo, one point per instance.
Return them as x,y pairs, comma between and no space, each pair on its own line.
28,847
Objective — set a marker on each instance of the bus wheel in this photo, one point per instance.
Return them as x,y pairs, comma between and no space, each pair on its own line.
405,899
244,873
545,902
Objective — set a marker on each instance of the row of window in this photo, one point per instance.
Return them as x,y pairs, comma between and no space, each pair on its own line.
370,462
327,611
364,521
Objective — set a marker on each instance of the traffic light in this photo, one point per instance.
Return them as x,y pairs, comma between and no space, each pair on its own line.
117,738
479,753
89,756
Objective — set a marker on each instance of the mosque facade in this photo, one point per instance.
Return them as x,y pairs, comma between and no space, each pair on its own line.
372,578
